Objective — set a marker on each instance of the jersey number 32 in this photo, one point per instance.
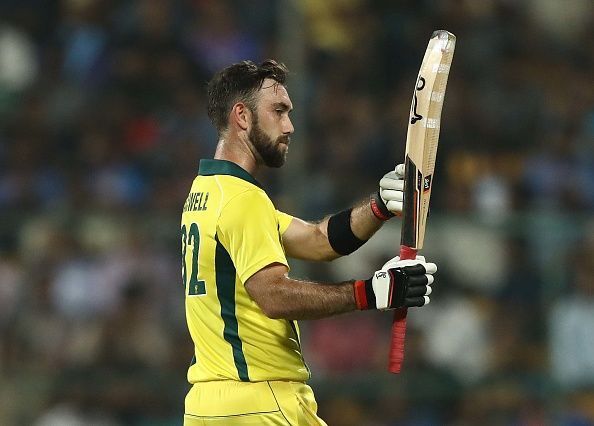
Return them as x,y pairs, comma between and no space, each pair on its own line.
191,238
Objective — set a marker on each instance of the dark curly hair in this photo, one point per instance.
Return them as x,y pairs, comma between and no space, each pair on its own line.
239,83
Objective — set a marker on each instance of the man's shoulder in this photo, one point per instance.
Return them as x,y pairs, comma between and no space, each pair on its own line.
241,195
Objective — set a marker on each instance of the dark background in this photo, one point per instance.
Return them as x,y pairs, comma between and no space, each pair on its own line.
102,124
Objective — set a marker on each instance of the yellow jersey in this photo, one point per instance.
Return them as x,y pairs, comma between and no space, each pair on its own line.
230,229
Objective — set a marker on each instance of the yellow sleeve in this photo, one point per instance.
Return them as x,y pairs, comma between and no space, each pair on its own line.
284,220
249,230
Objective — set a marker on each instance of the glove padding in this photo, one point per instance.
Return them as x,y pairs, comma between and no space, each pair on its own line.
400,283
391,190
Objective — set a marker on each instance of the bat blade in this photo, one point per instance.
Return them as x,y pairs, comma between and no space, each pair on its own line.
421,150
423,136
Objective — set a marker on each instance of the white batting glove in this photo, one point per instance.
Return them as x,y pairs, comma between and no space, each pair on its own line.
400,283
391,190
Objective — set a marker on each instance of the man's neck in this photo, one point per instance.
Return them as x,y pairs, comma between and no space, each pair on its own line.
238,152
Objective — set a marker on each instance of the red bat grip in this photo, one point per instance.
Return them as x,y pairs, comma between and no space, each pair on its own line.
399,324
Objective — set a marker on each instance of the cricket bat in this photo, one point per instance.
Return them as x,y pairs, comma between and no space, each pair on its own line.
421,149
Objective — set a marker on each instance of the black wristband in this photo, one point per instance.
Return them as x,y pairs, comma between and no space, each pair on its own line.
340,234
378,207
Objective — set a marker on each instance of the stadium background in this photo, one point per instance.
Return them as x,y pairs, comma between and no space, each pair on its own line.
102,123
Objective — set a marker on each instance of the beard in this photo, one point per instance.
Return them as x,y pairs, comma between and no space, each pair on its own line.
272,152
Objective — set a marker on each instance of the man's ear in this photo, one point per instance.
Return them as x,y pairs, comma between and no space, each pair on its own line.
241,115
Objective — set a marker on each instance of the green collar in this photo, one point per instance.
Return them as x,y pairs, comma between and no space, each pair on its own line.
224,167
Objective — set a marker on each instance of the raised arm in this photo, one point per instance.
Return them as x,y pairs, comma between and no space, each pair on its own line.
342,233
309,241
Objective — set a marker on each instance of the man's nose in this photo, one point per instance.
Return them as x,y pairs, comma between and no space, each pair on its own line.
288,128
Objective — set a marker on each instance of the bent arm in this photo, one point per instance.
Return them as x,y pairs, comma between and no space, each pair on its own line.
281,297
400,283
309,241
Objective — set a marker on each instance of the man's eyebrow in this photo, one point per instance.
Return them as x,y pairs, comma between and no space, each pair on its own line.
282,105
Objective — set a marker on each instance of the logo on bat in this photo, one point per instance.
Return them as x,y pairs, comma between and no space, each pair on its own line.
420,86
427,183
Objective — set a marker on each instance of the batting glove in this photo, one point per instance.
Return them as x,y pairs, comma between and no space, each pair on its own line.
392,189
400,283
387,202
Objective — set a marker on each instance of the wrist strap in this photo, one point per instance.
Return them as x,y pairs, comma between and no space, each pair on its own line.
360,296
378,207
364,295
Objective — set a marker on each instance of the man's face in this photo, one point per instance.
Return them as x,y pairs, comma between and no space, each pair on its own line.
271,125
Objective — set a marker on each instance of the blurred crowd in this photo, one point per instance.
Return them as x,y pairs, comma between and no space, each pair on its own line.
102,124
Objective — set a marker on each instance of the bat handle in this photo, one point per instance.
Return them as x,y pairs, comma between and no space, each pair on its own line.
407,253
399,324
